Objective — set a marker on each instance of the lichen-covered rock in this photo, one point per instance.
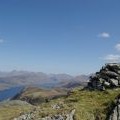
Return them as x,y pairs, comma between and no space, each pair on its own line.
107,77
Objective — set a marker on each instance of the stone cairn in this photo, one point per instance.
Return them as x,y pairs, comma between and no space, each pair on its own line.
107,77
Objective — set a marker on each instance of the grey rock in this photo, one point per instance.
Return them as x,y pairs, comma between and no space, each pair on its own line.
114,82
111,74
107,84
69,116
55,106
115,114
56,117
29,116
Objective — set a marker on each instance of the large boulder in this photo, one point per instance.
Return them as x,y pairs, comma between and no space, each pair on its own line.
107,77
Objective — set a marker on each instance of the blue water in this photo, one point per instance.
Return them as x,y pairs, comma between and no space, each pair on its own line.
10,93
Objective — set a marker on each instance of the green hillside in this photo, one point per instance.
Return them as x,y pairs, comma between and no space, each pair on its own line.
88,105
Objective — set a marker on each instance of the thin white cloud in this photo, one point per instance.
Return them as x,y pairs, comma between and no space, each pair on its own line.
104,35
1,41
118,47
112,58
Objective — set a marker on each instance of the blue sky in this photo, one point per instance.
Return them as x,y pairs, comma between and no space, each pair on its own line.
59,36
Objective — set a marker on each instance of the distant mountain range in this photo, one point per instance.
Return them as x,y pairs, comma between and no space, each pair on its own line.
25,78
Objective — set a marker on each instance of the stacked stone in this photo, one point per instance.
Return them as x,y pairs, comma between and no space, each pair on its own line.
107,77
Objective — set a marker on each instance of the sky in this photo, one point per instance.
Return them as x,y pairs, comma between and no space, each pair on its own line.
59,36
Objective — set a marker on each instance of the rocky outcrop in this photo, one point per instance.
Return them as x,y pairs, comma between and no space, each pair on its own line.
31,116
115,114
69,116
107,77
56,117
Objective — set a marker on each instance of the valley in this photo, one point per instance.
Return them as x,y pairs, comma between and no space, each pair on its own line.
94,101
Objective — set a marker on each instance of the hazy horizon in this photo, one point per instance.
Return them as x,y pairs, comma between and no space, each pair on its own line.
50,73
59,36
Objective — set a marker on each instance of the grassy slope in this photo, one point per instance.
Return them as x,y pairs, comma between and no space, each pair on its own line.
93,105
89,105
10,112
37,92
